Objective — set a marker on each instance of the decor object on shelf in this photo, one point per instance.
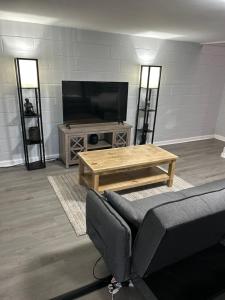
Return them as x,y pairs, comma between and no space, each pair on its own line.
34,134
147,103
75,139
93,139
27,75
124,168
28,108
223,153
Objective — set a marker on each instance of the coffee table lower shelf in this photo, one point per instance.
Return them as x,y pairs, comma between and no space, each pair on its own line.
127,179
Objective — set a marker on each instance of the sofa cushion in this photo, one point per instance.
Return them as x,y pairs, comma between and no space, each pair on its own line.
125,208
145,204
205,188
134,211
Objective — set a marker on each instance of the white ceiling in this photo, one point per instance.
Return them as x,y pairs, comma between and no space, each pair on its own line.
188,20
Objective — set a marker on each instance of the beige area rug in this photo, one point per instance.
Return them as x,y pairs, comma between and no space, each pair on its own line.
72,196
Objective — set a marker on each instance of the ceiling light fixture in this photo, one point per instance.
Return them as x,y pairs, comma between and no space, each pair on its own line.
158,35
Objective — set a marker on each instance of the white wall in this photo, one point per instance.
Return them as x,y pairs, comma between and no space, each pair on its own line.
191,86
220,125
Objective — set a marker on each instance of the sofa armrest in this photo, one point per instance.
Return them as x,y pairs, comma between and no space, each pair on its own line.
110,234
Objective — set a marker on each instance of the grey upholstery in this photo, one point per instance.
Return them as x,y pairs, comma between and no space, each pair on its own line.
134,211
142,206
125,208
179,229
110,234
172,226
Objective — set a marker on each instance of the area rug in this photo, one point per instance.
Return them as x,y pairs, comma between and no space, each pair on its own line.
72,196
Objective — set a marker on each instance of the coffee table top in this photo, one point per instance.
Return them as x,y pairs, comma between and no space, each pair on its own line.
126,157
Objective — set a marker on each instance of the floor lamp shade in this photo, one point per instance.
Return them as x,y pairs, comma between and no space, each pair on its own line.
150,77
28,73
154,77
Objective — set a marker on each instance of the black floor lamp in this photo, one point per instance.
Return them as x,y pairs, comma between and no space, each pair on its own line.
147,104
27,75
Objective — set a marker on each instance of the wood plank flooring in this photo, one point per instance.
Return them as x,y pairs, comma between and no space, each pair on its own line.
199,162
40,255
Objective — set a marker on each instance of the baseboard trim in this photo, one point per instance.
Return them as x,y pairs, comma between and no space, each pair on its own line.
20,161
219,137
185,140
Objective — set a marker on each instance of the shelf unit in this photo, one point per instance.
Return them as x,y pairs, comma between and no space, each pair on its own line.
75,139
147,111
125,180
25,119
102,144
30,117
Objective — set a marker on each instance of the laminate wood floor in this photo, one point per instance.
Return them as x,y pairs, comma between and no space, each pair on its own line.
40,255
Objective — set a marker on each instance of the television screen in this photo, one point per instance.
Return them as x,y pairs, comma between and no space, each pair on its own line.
93,102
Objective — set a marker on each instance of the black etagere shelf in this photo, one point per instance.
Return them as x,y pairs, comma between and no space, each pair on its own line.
147,104
27,74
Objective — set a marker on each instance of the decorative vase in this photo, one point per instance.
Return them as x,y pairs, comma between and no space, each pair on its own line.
34,134
93,139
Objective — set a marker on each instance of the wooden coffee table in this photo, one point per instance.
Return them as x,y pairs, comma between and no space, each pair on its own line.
122,168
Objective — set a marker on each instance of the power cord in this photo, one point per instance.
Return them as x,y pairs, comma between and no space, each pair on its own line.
93,270
114,286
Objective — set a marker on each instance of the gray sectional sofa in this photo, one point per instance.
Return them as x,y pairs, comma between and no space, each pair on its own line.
169,245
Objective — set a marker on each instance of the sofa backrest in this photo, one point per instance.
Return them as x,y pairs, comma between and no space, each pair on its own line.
176,230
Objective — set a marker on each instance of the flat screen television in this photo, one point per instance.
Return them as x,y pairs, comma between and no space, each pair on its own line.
94,102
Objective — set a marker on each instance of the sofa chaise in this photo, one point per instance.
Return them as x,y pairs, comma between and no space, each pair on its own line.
169,245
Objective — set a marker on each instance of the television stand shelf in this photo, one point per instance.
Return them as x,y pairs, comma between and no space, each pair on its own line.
75,139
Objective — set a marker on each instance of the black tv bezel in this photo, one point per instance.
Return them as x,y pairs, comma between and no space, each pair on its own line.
79,121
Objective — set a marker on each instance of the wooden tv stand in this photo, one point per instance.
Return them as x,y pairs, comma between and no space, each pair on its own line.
76,139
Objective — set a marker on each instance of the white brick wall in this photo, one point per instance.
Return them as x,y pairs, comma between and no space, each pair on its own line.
192,79
220,125
215,56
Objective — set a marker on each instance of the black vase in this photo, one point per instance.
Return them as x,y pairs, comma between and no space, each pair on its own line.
93,139
34,134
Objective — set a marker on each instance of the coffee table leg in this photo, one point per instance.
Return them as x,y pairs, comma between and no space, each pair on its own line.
81,171
171,172
95,181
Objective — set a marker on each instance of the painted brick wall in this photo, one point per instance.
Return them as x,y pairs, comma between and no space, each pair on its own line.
220,125
192,79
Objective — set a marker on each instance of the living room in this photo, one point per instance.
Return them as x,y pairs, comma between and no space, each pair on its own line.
44,249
